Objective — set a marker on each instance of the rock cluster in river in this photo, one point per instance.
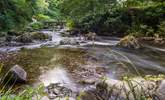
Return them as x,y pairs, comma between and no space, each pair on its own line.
56,90
30,37
25,37
69,41
132,89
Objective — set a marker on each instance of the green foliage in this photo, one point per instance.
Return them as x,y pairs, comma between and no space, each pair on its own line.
161,29
41,6
70,24
87,13
41,17
116,18
54,11
16,14
28,94
36,25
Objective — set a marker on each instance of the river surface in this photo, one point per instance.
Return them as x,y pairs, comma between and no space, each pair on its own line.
49,62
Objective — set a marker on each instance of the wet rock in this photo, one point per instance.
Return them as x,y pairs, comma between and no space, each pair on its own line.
74,32
161,90
9,38
69,41
65,34
91,95
56,90
90,36
40,36
32,36
101,70
24,38
11,35
157,41
126,89
10,44
45,98
129,42
16,74
3,34
87,81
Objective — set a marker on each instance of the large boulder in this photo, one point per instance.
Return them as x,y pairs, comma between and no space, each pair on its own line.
11,35
16,75
129,42
24,38
40,36
161,90
133,89
32,36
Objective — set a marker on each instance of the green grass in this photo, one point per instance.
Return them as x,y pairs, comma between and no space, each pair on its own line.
8,93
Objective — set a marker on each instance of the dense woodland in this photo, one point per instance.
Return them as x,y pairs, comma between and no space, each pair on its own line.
105,17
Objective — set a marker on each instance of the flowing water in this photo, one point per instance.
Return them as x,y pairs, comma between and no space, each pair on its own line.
48,62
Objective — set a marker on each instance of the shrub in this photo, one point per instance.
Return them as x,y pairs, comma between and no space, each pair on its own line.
42,17
36,25
70,24
161,29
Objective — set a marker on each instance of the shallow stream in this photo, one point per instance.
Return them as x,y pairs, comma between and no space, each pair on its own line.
49,62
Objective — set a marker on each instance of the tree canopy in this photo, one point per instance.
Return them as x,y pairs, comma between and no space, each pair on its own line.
116,17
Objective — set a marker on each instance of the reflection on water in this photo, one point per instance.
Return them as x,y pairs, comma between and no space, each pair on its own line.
57,75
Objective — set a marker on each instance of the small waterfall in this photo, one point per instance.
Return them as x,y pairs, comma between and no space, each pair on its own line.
56,37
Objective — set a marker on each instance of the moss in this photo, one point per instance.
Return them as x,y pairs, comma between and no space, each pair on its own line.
155,77
36,25
39,36
24,38
130,42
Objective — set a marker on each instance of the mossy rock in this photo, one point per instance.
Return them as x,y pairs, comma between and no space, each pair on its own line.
40,36
11,35
32,36
24,38
65,34
129,42
2,34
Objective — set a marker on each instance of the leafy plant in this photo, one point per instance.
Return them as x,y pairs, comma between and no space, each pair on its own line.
36,25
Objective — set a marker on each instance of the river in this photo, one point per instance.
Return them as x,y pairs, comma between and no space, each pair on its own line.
71,65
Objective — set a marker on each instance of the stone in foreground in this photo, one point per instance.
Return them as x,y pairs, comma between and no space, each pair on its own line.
16,75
